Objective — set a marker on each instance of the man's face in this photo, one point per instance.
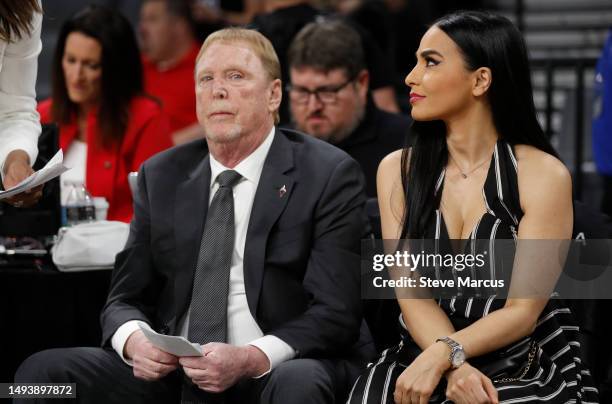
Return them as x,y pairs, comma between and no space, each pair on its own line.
155,30
235,97
337,108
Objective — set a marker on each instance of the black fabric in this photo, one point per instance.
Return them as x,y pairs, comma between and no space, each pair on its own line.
102,378
379,134
592,315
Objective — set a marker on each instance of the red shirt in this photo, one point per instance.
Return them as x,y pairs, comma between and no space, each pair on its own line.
107,168
175,88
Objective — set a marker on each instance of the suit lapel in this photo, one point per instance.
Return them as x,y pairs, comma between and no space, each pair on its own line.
271,197
190,211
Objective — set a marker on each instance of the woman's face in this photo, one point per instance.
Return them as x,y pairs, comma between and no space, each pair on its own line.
82,65
440,85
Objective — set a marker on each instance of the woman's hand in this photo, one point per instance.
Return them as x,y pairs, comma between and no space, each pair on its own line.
418,381
16,169
467,385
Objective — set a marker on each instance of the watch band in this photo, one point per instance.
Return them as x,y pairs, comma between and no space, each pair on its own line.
455,348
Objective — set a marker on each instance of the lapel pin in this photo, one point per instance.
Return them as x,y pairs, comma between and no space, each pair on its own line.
282,191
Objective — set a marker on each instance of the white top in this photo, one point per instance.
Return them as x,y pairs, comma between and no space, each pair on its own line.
19,121
75,159
241,326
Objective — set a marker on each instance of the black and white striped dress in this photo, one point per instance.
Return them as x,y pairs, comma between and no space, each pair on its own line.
558,375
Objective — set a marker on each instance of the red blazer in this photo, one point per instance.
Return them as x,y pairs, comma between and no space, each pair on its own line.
107,168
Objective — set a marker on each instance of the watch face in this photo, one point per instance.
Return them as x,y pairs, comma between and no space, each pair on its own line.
458,358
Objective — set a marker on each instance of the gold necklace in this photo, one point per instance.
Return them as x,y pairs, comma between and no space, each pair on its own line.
463,174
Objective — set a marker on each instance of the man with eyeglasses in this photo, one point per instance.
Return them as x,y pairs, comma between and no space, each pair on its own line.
329,97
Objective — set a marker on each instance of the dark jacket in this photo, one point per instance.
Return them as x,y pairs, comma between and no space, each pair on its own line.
301,258
379,134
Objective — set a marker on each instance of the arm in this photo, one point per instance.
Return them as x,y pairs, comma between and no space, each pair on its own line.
132,298
331,322
19,121
424,319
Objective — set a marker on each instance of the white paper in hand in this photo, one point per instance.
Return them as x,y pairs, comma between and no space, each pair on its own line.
54,168
177,346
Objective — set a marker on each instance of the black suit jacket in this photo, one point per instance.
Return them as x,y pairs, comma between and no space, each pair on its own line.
301,259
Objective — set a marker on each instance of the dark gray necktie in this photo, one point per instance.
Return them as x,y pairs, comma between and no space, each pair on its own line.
208,308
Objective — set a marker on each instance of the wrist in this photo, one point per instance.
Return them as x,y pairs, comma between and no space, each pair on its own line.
441,352
456,356
128,348
17,156
257,362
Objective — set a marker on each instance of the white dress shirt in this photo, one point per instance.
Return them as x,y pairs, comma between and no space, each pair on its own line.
19,121
242,328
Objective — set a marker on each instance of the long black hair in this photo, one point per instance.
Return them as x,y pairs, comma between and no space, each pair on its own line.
121,70
485,40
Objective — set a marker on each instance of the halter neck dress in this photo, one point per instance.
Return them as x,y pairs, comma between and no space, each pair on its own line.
558,374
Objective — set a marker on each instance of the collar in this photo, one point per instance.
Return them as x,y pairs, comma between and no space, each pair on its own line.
250,168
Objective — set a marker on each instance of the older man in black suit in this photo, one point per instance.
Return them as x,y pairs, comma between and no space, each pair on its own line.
246,243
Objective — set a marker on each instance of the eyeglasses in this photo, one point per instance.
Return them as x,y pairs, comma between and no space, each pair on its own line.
326,94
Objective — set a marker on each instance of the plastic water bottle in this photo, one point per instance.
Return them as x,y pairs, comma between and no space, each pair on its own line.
80,206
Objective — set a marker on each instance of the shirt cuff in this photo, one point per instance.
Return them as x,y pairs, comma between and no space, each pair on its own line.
277,351
122,334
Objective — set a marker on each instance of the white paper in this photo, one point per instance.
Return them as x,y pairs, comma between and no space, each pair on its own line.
177,346
54,168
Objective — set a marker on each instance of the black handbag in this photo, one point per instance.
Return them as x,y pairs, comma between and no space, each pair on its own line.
508,365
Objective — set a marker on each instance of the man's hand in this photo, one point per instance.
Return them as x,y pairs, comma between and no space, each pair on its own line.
150,363
467,385
223,365
16,169
419,380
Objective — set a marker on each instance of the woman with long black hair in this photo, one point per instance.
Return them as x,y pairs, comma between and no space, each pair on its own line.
480,168
20,25
108,126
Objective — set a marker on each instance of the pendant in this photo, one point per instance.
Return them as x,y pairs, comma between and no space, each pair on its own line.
464,176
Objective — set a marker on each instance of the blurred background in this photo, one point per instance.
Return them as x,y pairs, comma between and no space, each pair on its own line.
565,39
